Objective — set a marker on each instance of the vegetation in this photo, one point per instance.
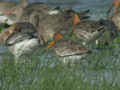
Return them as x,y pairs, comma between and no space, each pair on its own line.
49,74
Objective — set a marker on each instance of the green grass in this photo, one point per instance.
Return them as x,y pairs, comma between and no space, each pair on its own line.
44,72
33,76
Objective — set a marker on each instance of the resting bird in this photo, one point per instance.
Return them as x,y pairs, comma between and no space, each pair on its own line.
70,20
50,22
70,51
6,10
20,38
89,31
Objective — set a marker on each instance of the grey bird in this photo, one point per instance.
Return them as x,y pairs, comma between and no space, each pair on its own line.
20,39
70,51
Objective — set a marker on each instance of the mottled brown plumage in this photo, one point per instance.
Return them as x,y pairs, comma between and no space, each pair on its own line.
70,51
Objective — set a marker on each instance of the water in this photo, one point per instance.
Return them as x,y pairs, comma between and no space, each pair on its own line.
98,10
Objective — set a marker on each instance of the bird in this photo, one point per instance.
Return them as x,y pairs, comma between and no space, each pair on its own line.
49,21
70,20
6,8
116,5
90,31
69,51
20,39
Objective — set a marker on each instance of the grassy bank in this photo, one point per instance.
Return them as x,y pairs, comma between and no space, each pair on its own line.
46,72
54,76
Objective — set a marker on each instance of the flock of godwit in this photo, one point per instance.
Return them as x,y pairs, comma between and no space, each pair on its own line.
34,25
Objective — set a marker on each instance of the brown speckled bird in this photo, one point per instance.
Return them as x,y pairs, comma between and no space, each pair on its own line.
70,51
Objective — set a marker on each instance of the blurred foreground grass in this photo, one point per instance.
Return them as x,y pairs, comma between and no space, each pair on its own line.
37,75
